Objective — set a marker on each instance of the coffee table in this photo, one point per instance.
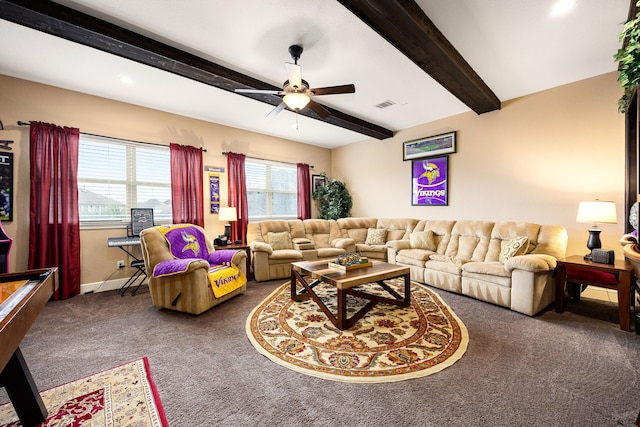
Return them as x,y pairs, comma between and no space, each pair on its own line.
345,282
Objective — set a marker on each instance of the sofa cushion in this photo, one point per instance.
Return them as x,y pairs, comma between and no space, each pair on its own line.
514,247
279,241
377,251
415,257
422,240
330,252
452,260
397,228
376,236
444,267
286,255
486,268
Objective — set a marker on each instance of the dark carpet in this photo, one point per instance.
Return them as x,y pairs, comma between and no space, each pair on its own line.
571,369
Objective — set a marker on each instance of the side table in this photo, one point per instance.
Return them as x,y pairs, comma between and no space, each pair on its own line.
240,247
622,270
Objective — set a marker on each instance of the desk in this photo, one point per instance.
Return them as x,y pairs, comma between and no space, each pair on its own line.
622,270
240,247
17,313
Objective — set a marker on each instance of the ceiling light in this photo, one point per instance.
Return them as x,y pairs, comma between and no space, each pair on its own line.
296,100
562,7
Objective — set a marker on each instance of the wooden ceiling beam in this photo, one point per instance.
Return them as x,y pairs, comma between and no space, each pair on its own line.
405,25
78,27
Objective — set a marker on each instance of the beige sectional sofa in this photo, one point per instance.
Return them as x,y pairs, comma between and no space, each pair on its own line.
508,263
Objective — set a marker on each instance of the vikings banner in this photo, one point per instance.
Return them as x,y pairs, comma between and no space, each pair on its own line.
429,182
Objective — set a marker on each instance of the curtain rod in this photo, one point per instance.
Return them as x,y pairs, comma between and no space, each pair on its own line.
21,123
224,153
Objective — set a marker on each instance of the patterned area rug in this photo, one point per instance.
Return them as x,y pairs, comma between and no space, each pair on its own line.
121,396
389,344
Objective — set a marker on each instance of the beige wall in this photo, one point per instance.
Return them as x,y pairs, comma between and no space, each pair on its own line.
534,160
23,100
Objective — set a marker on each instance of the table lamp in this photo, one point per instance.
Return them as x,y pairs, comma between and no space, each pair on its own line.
595,212
227,214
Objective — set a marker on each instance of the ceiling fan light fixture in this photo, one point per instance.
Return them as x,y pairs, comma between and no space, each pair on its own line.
296,100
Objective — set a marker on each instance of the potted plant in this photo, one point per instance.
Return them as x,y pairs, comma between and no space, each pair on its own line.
628,58
333,199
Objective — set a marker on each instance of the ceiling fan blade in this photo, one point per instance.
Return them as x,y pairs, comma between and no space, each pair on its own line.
294,71
277,110
266,92
333,90
318,109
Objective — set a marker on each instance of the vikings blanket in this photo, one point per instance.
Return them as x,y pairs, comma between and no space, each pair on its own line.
188,245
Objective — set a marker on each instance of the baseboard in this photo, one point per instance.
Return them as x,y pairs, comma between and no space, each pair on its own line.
107,285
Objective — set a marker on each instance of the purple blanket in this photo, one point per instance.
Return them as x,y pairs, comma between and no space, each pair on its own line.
173,266
187,245
187,242
221,257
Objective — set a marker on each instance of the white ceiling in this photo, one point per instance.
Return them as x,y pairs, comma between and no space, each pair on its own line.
516,46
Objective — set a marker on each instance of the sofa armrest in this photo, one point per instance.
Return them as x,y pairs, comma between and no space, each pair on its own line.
398,245
302,244
345,243
261,247
531,262
179,266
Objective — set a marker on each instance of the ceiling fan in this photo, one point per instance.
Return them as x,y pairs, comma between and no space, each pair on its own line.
296,92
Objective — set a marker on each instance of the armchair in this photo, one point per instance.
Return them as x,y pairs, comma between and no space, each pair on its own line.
186,286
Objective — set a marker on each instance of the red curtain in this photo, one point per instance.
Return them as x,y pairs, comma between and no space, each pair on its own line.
186,184
304,191
54,228
238,195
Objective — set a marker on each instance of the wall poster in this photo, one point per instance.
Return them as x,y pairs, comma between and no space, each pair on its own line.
429,182
214,193
6,186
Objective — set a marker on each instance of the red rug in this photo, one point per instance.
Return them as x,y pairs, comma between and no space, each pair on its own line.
122,396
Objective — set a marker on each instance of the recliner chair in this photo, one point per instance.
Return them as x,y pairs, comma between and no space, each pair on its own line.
188,290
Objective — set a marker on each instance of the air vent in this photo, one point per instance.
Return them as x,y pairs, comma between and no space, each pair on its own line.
385,104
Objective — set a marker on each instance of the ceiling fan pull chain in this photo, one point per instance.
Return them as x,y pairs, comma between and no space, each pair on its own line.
296,119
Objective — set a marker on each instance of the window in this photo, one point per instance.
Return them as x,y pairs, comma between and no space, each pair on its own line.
272,190
116,175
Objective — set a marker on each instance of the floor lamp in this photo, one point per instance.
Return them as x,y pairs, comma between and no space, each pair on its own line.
595,212
229,215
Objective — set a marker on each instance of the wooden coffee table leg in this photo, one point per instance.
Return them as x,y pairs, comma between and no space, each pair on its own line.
407,290
341,315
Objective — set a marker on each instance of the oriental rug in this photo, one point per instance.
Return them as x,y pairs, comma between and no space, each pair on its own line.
122,396
389,344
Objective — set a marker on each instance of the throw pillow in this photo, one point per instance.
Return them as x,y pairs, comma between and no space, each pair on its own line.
422,240
376,236
280,240
514,247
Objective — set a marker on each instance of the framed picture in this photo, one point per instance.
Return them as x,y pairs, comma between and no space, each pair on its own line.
429,182
6,186
317,181
437,145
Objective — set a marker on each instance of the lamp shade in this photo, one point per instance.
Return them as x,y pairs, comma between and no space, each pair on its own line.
296,100
227,214
597,211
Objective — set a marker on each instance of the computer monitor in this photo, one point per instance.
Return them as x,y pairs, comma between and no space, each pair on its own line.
141,218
